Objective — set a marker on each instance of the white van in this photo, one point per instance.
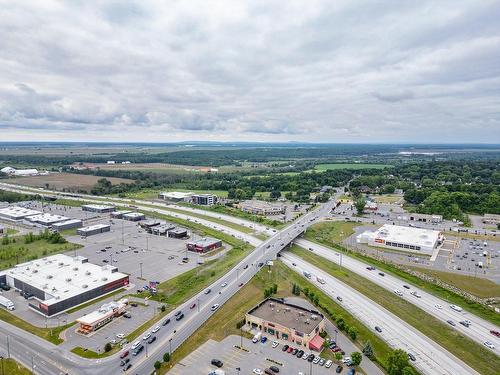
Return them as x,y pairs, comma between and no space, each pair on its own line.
256,338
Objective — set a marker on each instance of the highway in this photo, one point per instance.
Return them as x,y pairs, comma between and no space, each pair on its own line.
479,329
430,357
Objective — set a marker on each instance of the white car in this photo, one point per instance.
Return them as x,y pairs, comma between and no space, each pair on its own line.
456,308
258,371
346,360
120,335
224,285
489,345
438,306
328,363
155,329
147,336
214,307
306,354
398,292
414,293
316,360
113,341
467,321
135,345
275,344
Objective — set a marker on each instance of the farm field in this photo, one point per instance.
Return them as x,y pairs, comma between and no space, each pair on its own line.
326,167
66,181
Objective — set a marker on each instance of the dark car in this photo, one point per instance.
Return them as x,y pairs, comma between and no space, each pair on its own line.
179,317
246,266
261,264
339,298
178,313
294,351
268,371
339,369
137,350
378,329
127,367
300,354
4,286
412,357
208,291
311,358
451,323
125,361
381,274
192,306
284,348
351,371
274,369
152,339
127,315
217,363
406,286
166,321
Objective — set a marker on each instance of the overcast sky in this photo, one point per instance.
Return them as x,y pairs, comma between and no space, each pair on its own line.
329,71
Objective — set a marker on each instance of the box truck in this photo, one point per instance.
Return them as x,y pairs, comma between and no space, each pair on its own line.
7,303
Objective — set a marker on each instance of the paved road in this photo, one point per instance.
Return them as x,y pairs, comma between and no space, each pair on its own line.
431,358
479,330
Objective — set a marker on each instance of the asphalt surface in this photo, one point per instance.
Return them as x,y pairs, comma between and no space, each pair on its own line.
479,329
430,357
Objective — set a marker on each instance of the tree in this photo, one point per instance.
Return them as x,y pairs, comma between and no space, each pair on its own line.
397,361
275,288
108,347
157,365
356,358
275,194
353,333
368,349
340,323
360,205
338,356
166,357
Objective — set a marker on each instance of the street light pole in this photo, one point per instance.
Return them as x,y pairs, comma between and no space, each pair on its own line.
198,303
140,264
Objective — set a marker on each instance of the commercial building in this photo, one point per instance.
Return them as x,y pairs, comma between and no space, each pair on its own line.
15,213
68,224
19,172
178,233
288,322
119,214
162,229
204,199
46,219
403,238
106,313
422,218
98,208
175,196
261,208
148,225
93,229
60,282
133,216
204,245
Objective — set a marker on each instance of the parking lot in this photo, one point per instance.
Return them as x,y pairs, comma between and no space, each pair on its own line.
260,356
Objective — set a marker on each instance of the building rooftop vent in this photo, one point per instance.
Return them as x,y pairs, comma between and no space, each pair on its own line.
87,273
49,276
75,268
68,279
84,286
104,279
61,264
35,271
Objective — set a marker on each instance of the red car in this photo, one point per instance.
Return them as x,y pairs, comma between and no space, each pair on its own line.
290,349
496,333
336,349
192,306
124,354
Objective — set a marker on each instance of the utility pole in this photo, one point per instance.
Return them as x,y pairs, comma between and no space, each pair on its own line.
8,347
140,264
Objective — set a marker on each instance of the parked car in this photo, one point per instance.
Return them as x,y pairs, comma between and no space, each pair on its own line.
274,369
155,329
263,339
285,348
152,339
124,362
328,363
339,369
316,360
124,354
127,367
275,344
146,336
300,353
311,357
120,335
127,315
258,371
290,349
139,349
321,362
295,351
166,321
217,363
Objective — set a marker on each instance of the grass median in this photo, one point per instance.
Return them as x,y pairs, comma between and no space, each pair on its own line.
11,367
472,353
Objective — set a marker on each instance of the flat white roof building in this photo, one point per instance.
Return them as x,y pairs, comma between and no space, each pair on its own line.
46,219
403,238
175,196
60,282
17,213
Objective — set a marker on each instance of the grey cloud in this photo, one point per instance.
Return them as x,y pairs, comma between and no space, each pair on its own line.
393,97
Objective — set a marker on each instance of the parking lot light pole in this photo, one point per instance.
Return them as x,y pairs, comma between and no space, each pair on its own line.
140,264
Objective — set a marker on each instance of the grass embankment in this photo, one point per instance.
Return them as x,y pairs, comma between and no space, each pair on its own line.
472,353
449,296
15,250
94,301
333,231
480,287
11,367
49,334
223,322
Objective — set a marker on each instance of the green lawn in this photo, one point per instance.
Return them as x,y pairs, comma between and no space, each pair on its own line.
335,166
223,322
153,193
11,367
477,286
331,231
475,355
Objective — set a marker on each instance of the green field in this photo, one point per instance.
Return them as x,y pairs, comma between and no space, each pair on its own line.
326,167
153,193
459,345
11,367
331,231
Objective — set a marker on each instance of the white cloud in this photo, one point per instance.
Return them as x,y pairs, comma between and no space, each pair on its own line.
250,70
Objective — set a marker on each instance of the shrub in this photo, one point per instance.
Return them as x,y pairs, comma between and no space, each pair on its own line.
108,347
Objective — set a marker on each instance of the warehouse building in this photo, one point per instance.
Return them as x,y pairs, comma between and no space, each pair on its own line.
162,229
175,196
289,322
204,199
204,245
68,224
148,225
99,318
261,208
46,219
178,233
133,216
60,282
403,238
422,218
119,214
102,209
93,229
15,213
